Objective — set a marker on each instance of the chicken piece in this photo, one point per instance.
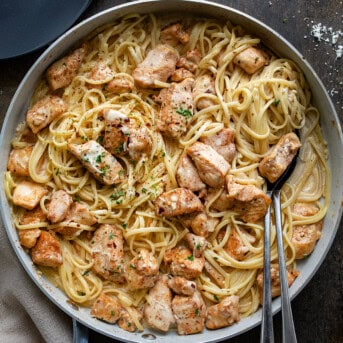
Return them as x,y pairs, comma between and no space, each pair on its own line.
120,84
248,201
223,143
190,313
140,143
202,86
183,263
275,280
198,222
177,202
174,34
37,215
180,74
196,243
61,73
142,271
28,194
101,73
107,308
223,314
221,203
158,65
47,251
211,166
214,275
44,111
117,131
176,109
18,162
126,322
99,162
279,157
304,237
107,252
251,60
59,206
182,286
157,312
28,238
190,61
187,175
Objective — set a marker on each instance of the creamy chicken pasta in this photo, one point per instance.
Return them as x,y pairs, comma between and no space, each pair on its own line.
138,180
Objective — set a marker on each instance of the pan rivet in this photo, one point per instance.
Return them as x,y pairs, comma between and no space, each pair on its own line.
149,336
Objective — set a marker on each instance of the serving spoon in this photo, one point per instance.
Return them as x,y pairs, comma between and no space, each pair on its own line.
288,330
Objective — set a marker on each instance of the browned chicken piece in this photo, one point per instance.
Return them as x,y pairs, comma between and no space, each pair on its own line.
177,202
158,65
198,222
190,61
117,131
187,175
140,143
248,201
176,109
223,143
61,73
99,162
196,243
180,74
28,194
202,86
190,313
101,73
59,206
142,271
120,84
211,166
223,314
275,280
182,286
44,111
304,237
158,312
107,252
28,238
214,274
174,34
126,322
18,162
47,251
279,157
37,215
183,263
107,308
251,60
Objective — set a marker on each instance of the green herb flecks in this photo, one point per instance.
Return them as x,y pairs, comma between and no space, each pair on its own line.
184,112
276,102
190,258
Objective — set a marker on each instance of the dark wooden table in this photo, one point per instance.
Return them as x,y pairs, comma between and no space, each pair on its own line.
318,309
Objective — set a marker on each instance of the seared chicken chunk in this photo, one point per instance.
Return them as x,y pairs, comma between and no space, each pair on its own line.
248,201
120,84
37,215
107,252
223,143
101,73
180,74
158,312
28,238
142,271
18,162
177,107
140,143
99,162
158,65
174,34
47,251
183,263
190,313
187,175
203,85
126,322
61,73
214,274
196,243
211,166
177,202
182,286
190,61
223,314
304,237
251,60
107,308
198,222
44,111
280,157
59,206
28,194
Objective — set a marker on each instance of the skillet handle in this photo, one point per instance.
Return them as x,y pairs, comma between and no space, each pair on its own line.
80,332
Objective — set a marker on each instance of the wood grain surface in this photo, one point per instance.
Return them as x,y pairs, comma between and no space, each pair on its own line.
318,309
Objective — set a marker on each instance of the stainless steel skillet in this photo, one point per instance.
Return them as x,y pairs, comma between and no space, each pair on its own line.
332,134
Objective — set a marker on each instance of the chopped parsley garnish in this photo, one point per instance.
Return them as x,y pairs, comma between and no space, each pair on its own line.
215,257
84,138
124,225
119,148
215,297
184,112
98,159
112,313
100,139
103,170
128,324
85,158
121,172
144,190
197,313
116,196
132,266
198,246
81,293
57,172
77,198
111,235
276,102
256,59
190,258
163,153
86,272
